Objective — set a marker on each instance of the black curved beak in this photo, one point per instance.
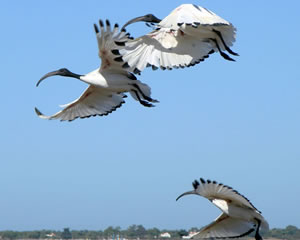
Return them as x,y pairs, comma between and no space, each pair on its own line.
186,193
146,18
61,72
50,74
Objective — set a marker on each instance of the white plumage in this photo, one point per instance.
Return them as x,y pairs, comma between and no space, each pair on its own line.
238,218
107,84
184,38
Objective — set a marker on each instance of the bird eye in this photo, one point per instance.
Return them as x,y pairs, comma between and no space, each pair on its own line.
63,71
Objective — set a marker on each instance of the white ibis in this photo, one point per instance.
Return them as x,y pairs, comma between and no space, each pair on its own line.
239,217
184,38
107,84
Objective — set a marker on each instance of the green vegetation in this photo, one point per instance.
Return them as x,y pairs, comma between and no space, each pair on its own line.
132,232
290,233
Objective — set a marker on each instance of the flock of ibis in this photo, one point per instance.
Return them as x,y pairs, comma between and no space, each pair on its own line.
186,37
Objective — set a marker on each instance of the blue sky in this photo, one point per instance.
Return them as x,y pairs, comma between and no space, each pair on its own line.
234,122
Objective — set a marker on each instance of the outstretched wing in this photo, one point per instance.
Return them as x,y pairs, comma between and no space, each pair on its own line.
165,49
94,101
213,190
108,51
225,227
184,38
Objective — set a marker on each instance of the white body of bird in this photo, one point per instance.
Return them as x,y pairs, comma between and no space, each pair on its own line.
239,212
238,218
107,84
184,38
111,80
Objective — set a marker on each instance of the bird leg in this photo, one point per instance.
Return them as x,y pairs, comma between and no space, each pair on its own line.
144,103
224,55
257,235
149,99
225,45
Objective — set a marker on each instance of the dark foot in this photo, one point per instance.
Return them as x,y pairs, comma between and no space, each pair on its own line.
225,45
144,103
149,99
257,235
224,55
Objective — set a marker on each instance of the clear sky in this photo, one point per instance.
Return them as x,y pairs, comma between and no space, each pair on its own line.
234,122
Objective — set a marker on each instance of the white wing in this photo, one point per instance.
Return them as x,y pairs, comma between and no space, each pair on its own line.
94,101
108,52
213,190
184,38
225,227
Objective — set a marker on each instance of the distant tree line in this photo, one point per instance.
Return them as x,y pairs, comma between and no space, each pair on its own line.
132,232
290,233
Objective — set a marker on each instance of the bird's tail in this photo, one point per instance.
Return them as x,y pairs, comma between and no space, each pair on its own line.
264,225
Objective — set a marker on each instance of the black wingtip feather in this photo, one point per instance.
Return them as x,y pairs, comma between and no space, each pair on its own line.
136,71
125,65
115,52
101,23
118,59
122,44
131,76
196,184
96,28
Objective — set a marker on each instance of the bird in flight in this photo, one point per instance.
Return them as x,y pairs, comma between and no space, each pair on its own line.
186,37
238,218
108,84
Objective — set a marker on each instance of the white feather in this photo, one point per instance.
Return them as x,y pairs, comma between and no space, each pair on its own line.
239,217
107,84
183,38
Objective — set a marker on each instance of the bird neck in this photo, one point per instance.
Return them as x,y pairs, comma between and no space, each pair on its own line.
74,75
